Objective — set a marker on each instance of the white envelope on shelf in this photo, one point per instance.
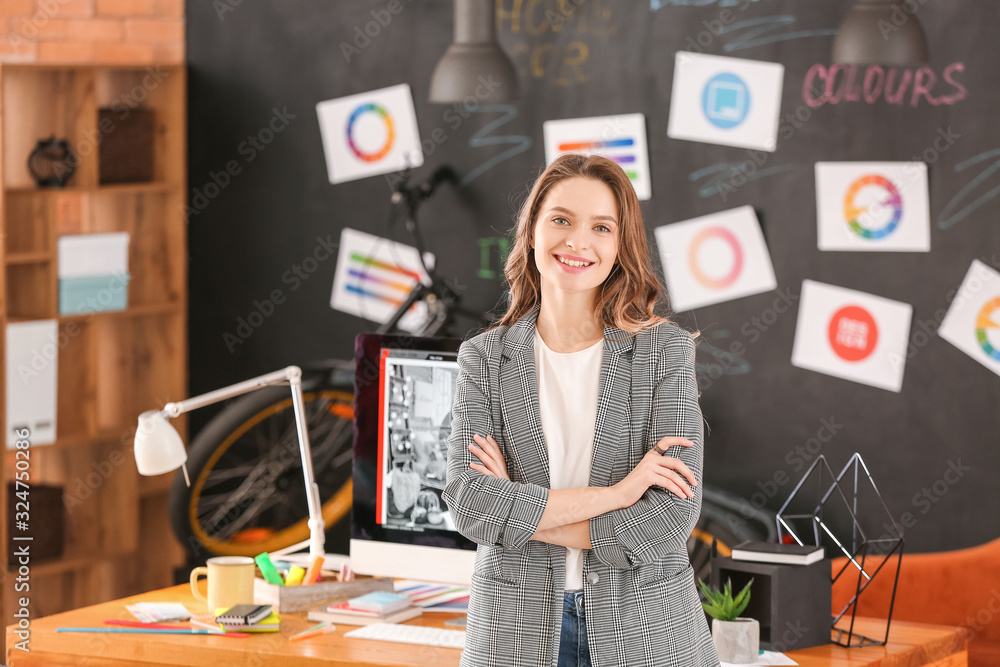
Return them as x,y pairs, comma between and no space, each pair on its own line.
83,255
32,362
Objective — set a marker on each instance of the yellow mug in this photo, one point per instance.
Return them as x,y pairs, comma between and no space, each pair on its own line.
230,581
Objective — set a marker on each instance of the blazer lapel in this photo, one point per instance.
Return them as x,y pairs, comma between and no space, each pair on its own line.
522,421
611,429
520,411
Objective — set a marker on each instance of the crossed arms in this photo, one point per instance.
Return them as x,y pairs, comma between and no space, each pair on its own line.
647,515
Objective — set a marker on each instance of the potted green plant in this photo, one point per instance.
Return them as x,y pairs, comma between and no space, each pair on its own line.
737,639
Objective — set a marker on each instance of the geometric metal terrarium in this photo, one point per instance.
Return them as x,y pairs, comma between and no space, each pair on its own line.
845,511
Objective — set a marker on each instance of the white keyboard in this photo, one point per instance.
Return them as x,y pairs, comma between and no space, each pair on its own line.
410,634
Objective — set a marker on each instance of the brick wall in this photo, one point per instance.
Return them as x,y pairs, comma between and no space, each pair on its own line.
92,31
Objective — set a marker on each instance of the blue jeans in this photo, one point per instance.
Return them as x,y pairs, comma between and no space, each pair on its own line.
574,651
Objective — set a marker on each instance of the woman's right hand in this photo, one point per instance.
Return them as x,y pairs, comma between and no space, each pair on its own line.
655,468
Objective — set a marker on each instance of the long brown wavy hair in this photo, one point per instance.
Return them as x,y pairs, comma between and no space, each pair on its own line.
631,291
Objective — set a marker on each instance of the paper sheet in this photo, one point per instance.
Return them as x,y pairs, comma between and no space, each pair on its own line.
766,658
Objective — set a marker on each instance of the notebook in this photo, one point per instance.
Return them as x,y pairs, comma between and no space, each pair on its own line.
787,554
244,614
324,614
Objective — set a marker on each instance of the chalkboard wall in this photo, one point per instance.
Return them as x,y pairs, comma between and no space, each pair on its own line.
260,204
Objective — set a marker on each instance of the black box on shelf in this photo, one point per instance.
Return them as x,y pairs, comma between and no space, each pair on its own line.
126,148
46,521
791,602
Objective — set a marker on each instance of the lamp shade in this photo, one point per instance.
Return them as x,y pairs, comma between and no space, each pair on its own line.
876,32
474,68
158,445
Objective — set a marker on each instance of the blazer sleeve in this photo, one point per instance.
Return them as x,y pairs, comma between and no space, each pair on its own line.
660,522
485,509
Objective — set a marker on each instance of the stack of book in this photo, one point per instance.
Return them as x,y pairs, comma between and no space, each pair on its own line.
248,618
780,554
375,607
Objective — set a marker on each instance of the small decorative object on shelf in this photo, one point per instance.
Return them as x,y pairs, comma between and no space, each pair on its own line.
847,511
126,151
52,163
737,639
48,537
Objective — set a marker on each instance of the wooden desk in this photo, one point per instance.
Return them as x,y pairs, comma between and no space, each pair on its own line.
910,644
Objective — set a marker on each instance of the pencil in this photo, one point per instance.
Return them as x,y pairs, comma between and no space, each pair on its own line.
314,631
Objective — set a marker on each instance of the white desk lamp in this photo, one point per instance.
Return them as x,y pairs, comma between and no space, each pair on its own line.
159,448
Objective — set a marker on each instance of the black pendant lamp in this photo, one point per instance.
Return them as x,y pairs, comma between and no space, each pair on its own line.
877,32
474,66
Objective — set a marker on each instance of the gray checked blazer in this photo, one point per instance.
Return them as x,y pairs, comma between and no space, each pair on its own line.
639,593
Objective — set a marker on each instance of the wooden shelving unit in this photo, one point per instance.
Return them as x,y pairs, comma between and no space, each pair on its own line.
111,366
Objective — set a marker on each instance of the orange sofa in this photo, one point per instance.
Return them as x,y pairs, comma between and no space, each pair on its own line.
957,588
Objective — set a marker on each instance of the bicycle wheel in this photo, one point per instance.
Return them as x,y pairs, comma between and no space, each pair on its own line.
247,494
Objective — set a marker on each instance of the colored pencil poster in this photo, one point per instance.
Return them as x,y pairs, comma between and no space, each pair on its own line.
714,258
369,134
874,206
727,101
852,335
375,275
973,320
619,138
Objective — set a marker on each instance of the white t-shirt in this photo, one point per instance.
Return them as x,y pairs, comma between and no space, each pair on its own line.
568,385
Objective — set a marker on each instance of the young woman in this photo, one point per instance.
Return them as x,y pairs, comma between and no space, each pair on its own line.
575,456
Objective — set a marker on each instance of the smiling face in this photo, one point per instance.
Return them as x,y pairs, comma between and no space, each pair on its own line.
576,235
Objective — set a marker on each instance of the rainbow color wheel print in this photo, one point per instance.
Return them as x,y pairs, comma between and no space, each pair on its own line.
729,238
854,213
390,132
626,160
989,319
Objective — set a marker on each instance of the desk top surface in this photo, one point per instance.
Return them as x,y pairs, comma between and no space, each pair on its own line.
909,643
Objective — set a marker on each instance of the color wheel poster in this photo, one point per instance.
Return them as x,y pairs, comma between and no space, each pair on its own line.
973,321
882,206
714,258
852,335
375,275
619,138
728,101
369,134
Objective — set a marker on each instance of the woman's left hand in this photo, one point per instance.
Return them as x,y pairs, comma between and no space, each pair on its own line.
489,453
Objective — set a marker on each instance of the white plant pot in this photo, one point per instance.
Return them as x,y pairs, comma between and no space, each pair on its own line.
736,641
